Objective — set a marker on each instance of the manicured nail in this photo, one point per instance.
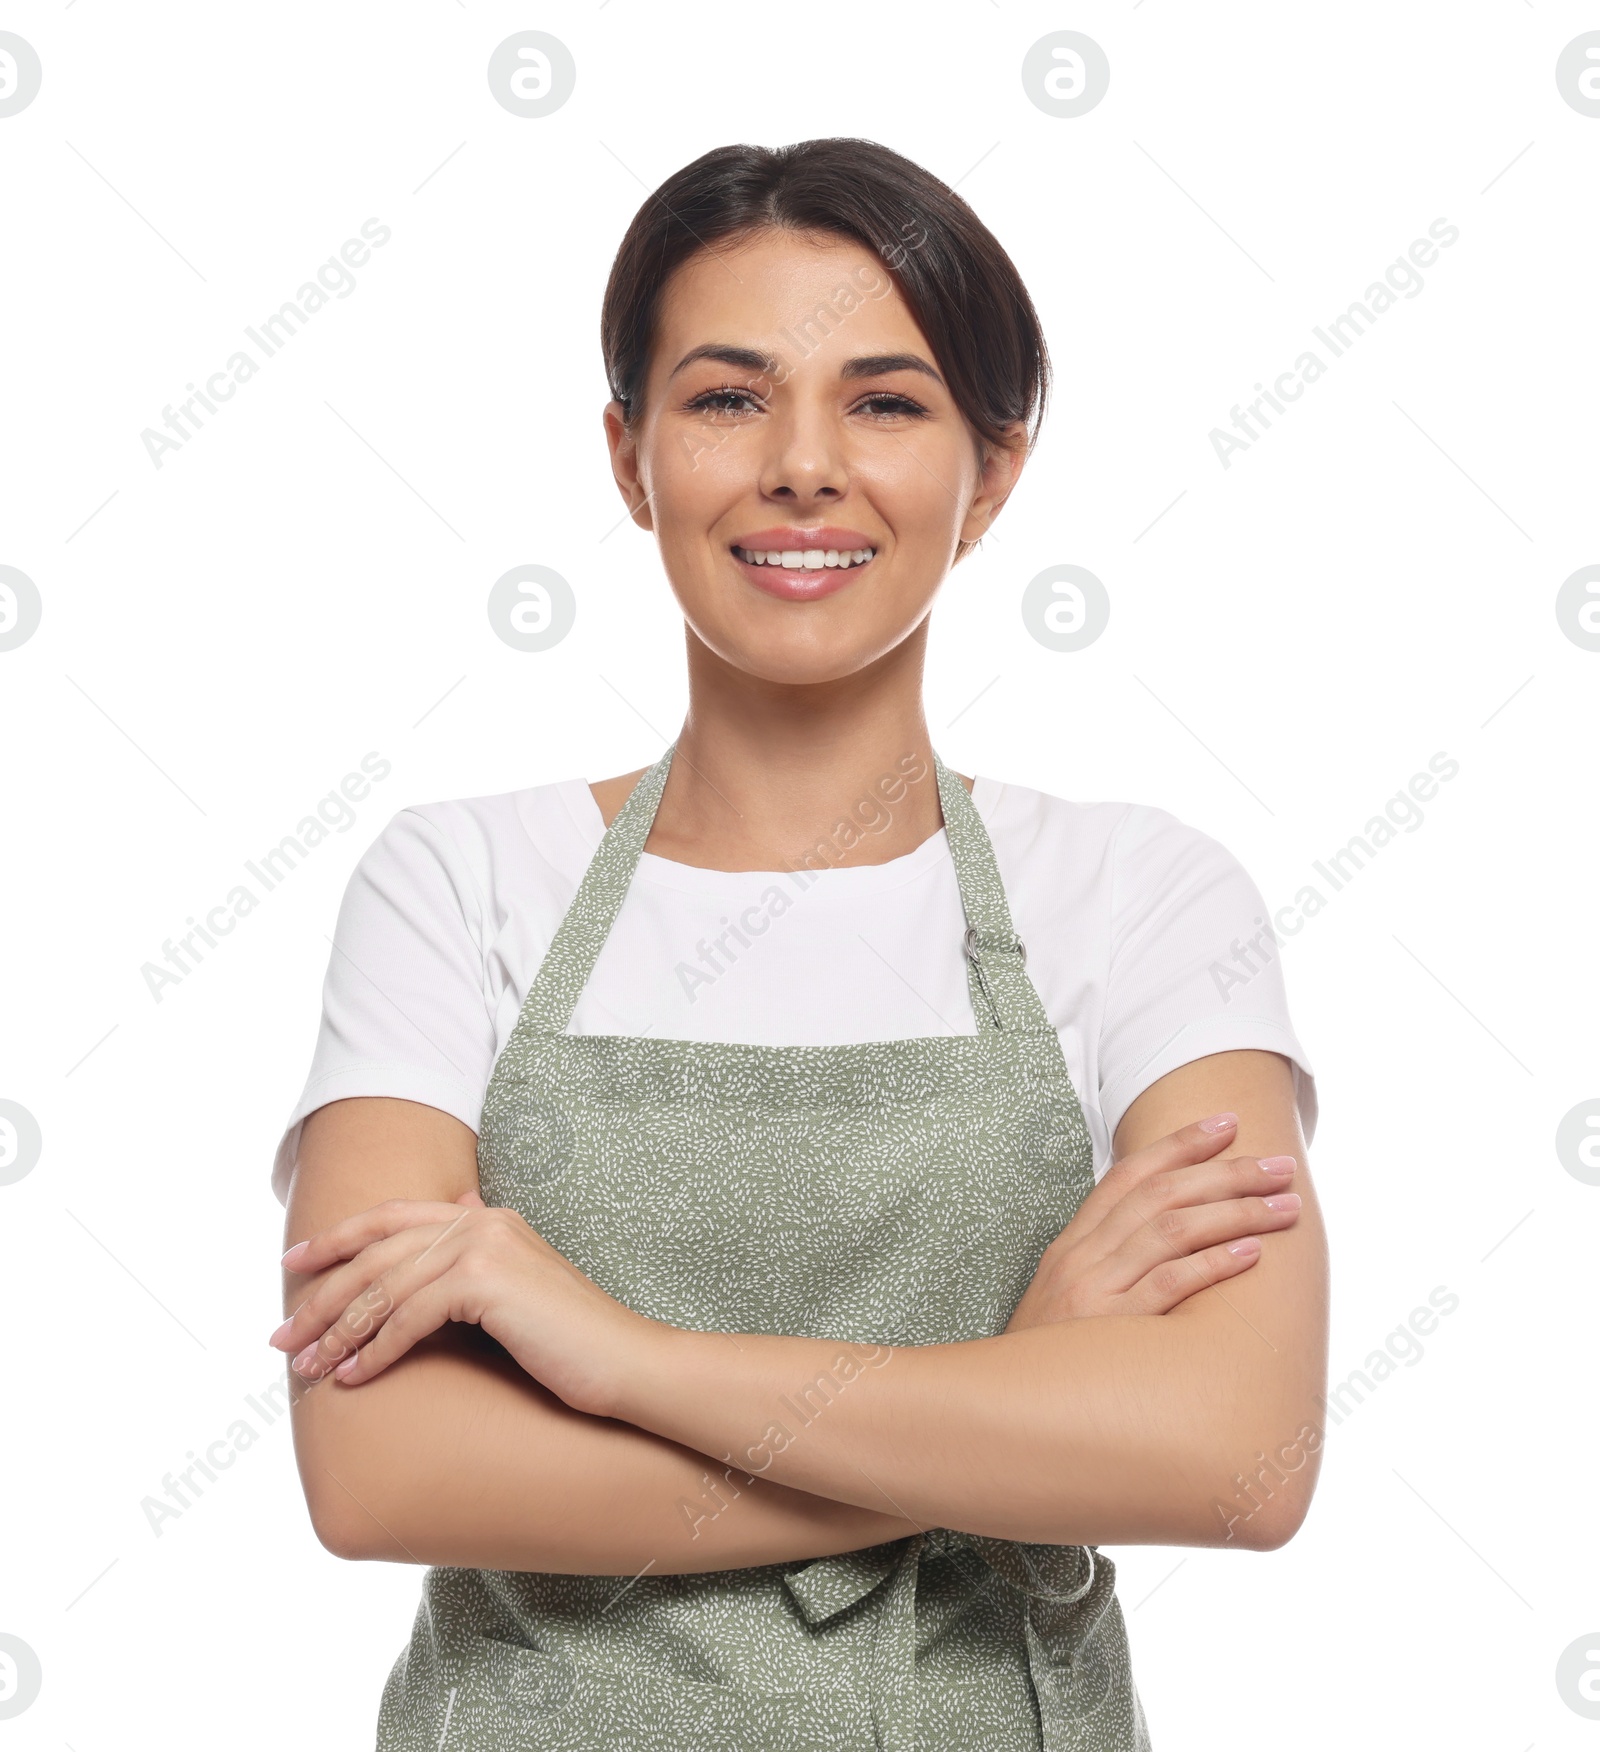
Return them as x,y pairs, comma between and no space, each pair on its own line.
306,1364
1283,1201
1279,1164
1219,1122
282,1333
347,1367
1247,1248
292,1257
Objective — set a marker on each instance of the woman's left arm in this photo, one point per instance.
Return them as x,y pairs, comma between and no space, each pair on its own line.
1198,1426
1202,1426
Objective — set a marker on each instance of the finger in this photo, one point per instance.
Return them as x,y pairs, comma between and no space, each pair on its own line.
344,1336
359,1321
472,1197
342,1286
1161,1290
346,1238
410,1320
1189,1144
1178,1234
1189,1185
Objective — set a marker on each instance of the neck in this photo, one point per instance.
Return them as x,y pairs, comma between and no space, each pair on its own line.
767,773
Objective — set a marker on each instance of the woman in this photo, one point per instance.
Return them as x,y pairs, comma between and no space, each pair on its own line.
768,1367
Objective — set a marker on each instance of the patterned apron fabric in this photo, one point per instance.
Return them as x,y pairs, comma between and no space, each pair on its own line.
893,1192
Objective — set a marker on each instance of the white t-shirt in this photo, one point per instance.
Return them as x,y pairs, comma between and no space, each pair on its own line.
1132,921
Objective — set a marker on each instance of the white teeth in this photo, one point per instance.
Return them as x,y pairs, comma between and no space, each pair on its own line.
805,559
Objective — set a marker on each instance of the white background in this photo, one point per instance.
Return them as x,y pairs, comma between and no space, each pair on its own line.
1291,638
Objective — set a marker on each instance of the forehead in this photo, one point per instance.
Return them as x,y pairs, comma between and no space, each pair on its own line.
798,298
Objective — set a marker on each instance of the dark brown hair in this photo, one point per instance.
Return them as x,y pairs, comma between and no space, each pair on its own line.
960,285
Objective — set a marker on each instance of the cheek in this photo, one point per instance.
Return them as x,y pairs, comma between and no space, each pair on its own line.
920,489
695,478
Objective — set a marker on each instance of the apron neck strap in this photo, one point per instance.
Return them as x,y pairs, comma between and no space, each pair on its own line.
581,936
1003,996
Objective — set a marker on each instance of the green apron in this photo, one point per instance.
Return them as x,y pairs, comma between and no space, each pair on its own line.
895,1192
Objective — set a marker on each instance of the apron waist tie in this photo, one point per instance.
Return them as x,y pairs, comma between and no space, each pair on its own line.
1068,1589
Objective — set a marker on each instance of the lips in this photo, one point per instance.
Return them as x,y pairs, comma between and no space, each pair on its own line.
801,565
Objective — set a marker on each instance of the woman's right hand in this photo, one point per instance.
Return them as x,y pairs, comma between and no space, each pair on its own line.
1163,1223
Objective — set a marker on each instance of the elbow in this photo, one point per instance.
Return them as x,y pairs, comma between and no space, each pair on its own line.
343,1496
337,1530
1263,1512
1270,1527
1263,1505
348,1514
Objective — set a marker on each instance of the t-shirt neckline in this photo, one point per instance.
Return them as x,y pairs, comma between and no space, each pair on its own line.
838,880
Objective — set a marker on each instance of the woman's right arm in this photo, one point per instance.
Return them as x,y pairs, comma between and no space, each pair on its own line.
455,1456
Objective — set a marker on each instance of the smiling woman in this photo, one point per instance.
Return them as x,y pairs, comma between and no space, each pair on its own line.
762,1361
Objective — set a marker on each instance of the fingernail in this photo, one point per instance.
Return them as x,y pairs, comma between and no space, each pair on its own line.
282,1332
348,1365
294,1252
1249,1245
306,1364
1219,1122
1279,1164
1283,1201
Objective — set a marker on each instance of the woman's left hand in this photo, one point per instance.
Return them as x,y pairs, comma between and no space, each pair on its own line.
416,1263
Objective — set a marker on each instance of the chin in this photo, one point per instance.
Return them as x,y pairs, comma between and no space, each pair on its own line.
800,645
796,657
794,664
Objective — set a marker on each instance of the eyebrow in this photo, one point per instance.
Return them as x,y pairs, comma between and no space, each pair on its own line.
862,365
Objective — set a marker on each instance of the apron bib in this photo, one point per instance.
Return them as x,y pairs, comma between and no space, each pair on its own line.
895,1192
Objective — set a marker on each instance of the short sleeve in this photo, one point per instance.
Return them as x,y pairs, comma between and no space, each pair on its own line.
405,1011
1194,964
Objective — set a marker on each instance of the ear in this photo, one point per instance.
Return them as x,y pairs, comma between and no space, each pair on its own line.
999,466
625,465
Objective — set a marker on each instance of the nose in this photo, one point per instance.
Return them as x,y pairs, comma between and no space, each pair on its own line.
805,459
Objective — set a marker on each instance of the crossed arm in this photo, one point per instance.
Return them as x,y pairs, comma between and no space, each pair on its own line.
1201,1425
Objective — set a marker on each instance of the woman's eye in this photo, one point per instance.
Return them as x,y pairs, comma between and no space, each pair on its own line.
891,405
722,401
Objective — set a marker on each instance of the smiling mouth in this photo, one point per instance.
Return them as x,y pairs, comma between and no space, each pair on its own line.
807,559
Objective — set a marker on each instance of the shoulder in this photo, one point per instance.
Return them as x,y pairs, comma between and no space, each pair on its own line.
489,843
537,813
611,794
1120,860
1109,833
